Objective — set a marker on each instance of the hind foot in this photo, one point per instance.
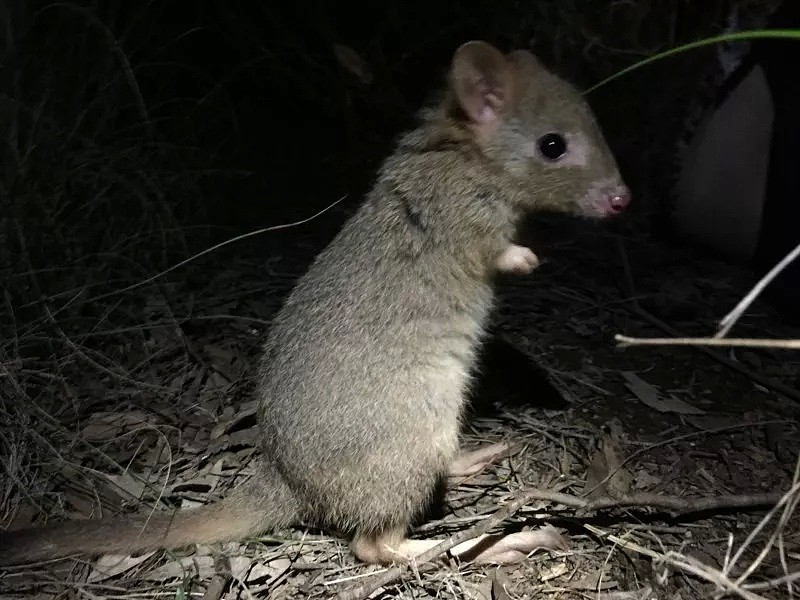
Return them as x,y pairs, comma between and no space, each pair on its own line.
518,260
485,549
469,463
382,549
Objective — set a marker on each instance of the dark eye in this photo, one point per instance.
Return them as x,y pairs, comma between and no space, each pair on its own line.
552,146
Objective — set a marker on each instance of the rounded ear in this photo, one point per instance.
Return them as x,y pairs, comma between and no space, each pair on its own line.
480,77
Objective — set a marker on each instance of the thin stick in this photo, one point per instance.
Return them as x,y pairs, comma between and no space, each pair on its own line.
766,585
684,563
625,341
390,575
767,382
215,247
697,568
673,504
730,319
679,438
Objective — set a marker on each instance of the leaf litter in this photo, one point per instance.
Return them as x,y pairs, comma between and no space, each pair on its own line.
190,440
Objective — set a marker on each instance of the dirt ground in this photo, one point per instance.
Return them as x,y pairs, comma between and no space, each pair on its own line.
166,419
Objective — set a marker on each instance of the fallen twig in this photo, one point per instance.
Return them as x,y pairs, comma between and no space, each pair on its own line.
484,526
789,503
625,340
673,504
686,436
730,319
680,561
767,382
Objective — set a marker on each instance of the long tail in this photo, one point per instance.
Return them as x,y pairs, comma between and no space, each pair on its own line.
255,507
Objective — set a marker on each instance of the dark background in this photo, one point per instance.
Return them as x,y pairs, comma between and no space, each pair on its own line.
136,135
199,94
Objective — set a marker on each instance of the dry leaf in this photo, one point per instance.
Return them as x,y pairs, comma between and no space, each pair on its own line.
593,582
200,485
83,505
201,567
646,593
271,570
499,587
179,381
564,461
107,426
111,565
484,590
246,411
645,480
776,441
130,485
353,63
553,572
217,382
711,422
605,461
218,355
207,478
240,565
649,396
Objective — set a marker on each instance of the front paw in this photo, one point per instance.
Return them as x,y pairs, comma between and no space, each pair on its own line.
517,260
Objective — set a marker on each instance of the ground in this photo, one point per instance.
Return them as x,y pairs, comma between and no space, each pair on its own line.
122,391
170,419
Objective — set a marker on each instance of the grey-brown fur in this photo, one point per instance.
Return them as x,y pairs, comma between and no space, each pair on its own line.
366,366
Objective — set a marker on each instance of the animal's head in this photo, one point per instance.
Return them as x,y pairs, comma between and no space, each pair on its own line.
537,128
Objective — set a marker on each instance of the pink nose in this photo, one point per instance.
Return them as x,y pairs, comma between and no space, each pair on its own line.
619,198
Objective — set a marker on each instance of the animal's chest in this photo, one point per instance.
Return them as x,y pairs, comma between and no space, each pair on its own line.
444,387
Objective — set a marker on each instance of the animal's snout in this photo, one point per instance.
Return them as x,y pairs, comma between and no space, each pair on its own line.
618,198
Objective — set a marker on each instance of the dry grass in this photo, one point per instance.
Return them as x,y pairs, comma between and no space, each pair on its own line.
141,400
181,430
